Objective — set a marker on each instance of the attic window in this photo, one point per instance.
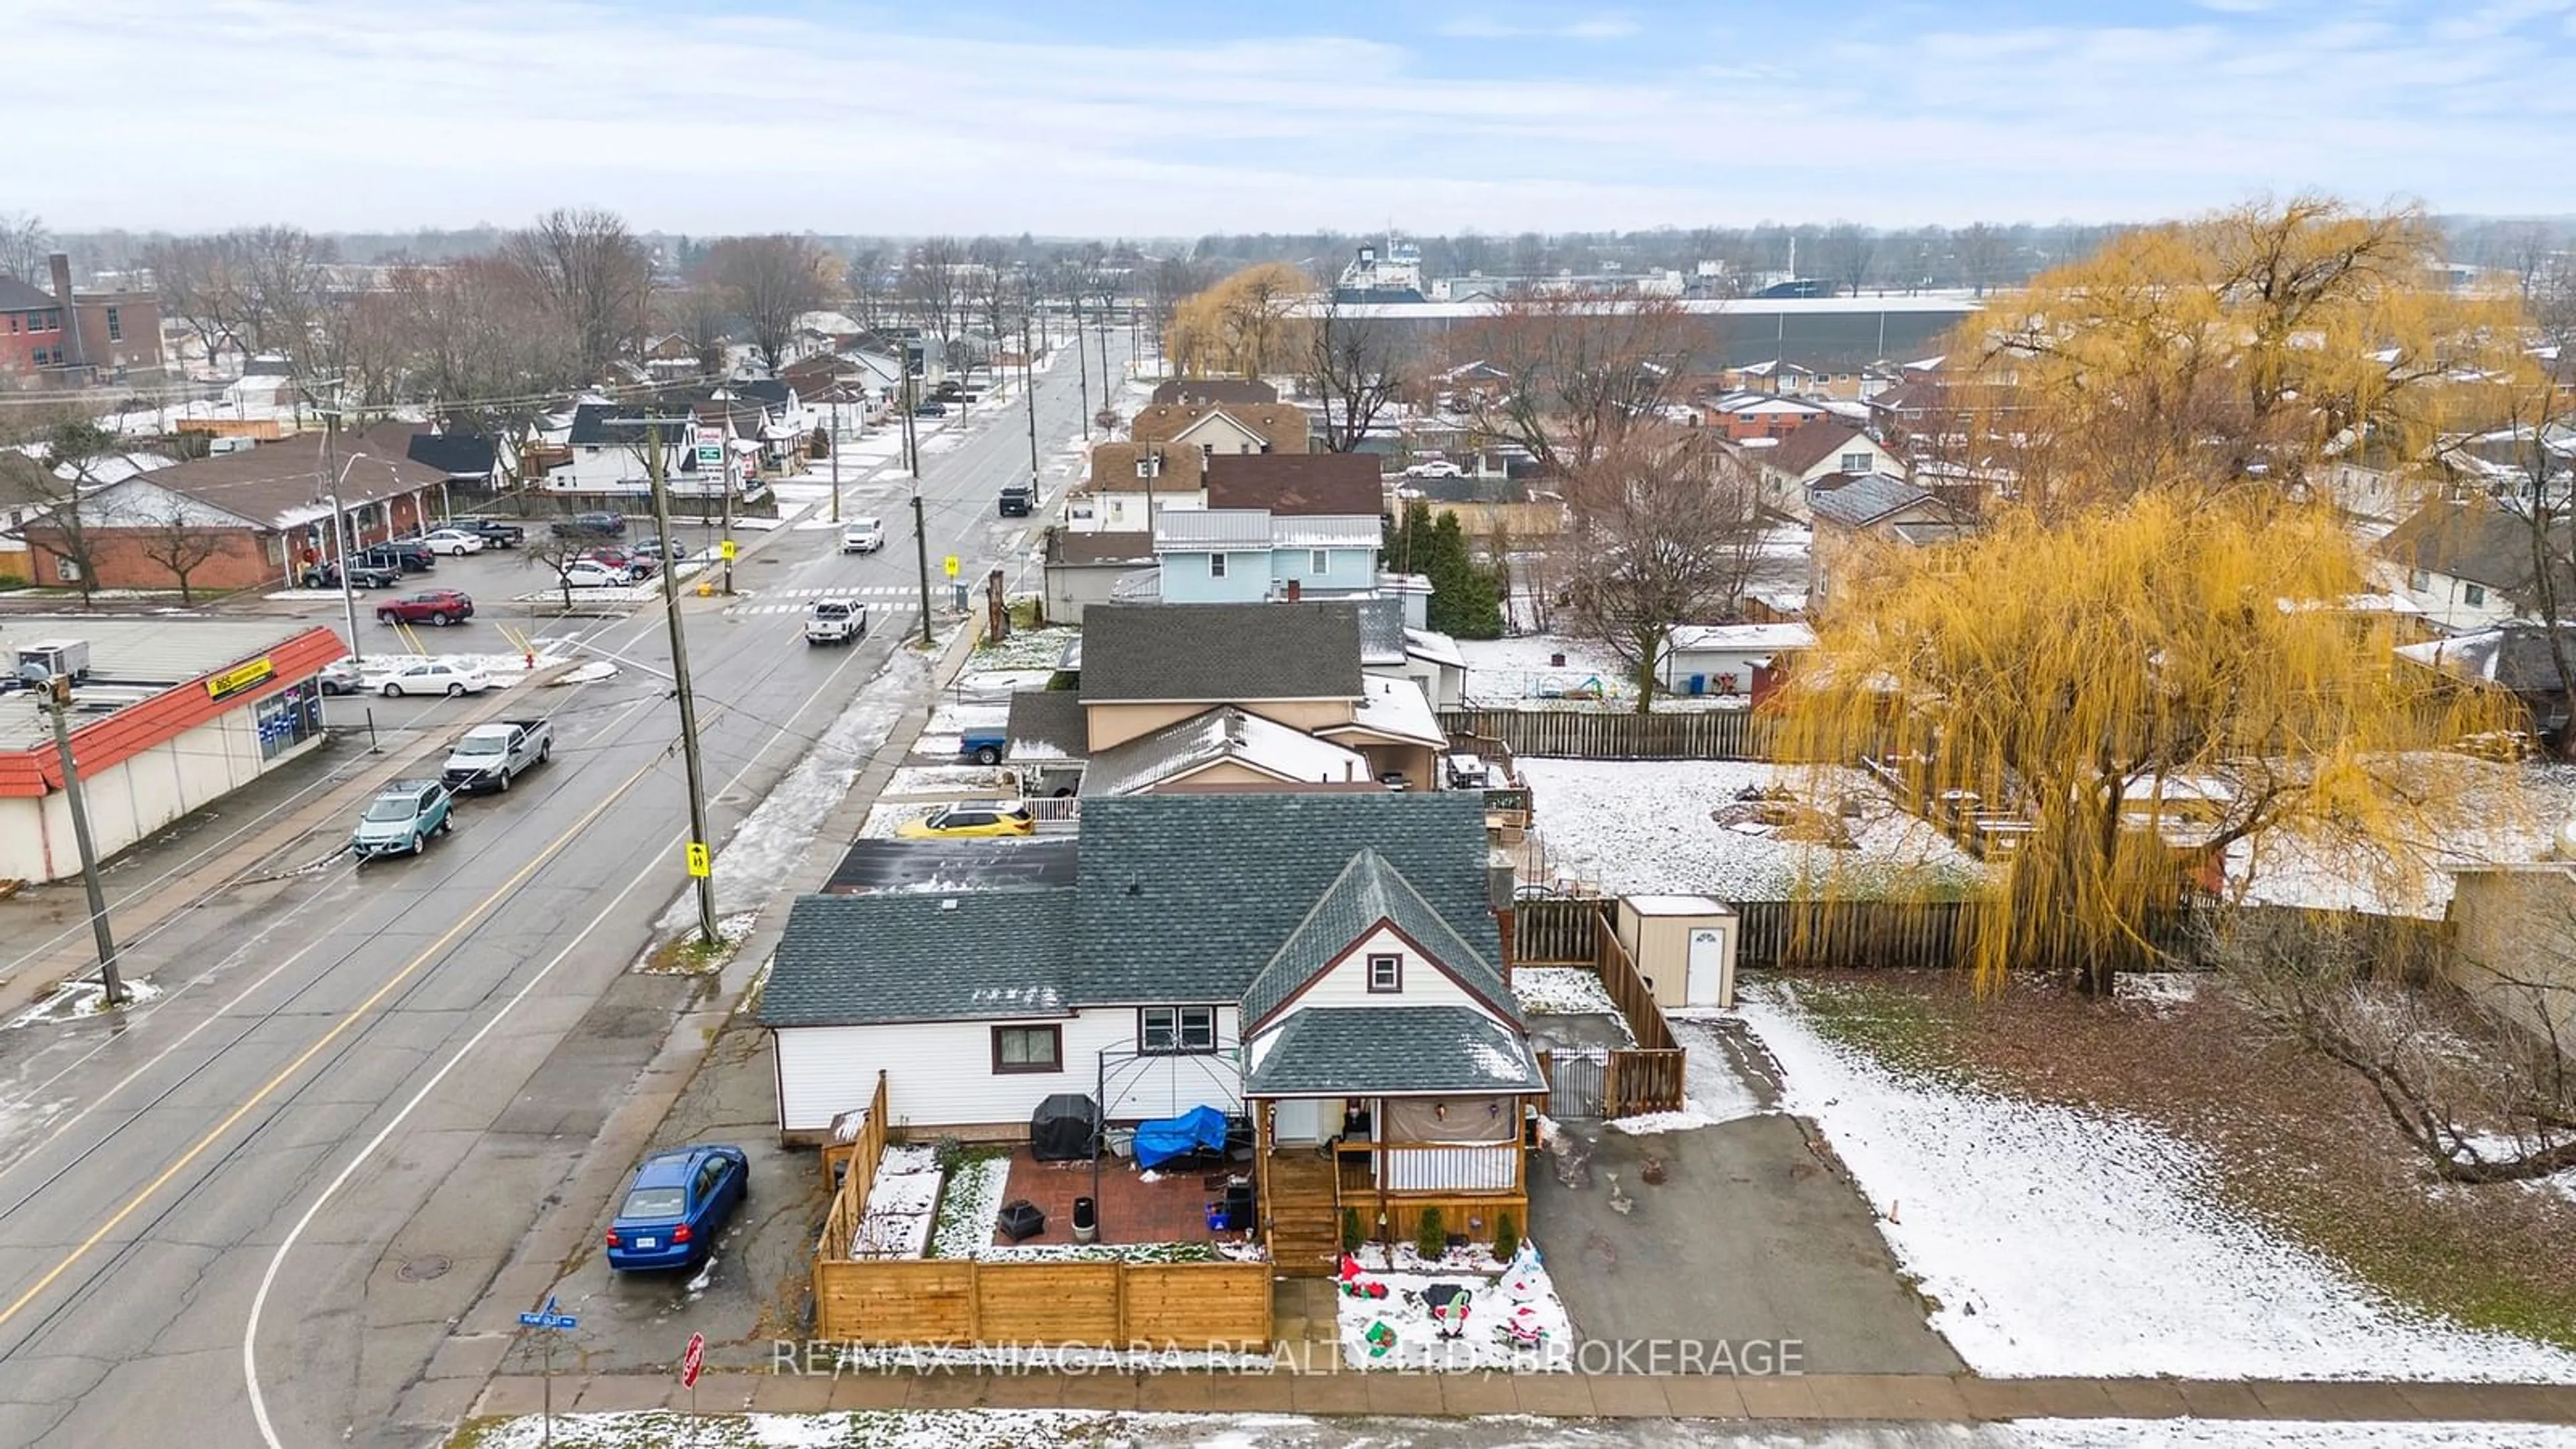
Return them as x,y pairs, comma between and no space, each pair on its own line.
2474,595
1386,974
1855,462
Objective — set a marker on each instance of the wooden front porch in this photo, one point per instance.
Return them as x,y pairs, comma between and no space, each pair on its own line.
1306,1188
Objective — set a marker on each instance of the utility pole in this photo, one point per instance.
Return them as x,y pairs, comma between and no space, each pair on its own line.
698,842
921,550
1029,385
1082,368
724,480
58,703
836,452
1105,393
911,439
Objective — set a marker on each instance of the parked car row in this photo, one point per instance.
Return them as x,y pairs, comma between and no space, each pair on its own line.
407,814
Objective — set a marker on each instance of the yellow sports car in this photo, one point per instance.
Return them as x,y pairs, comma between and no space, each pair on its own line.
983,817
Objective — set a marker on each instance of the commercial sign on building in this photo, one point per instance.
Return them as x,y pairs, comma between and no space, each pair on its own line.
239,677
711,448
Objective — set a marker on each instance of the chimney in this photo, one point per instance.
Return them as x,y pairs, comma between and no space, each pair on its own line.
74,354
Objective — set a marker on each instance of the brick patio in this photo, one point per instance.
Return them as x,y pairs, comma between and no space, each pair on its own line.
1172,1209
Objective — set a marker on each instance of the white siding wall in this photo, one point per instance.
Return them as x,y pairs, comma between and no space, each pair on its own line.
1424,983
940,1074
130,800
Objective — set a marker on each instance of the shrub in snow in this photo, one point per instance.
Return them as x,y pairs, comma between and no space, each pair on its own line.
1507,1235
1430,1238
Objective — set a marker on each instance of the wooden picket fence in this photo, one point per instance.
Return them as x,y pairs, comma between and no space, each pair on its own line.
1702,734
1557,932
855,1163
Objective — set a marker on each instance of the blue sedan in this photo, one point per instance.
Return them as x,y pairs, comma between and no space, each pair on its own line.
678,1202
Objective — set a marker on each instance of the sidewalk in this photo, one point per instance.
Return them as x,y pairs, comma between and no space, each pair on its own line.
1962,1398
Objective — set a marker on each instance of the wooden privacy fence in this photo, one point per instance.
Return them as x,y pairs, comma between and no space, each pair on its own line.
856,1161
1937,935
959,1301
1701,734
1646,1077
1555,932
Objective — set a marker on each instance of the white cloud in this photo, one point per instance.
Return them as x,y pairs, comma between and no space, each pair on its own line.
370,113
1486,27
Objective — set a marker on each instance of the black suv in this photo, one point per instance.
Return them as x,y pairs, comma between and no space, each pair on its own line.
591,525
362,575
409,555
493,532
1018,499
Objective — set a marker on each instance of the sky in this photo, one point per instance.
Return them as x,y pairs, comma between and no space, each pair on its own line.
1123,118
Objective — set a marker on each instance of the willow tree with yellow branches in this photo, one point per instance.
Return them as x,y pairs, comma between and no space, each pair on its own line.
1245,326
2145,686
2255,342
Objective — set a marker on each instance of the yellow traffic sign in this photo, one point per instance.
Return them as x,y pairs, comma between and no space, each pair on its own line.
951,565
724,550
698,864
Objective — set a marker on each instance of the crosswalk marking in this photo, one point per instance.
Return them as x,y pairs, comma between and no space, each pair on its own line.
799,608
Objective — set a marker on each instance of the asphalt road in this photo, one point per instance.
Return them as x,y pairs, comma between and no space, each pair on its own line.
430,1041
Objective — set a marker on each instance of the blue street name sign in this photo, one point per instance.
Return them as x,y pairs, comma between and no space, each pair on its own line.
547,1317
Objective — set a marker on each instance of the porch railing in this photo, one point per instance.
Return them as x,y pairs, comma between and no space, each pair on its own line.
1443,1169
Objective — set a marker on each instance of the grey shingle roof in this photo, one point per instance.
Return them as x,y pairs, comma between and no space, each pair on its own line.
1048,724
1864,500
17,296
848,960
945,867
1187,897
1395,1049
2478,542
1220,653
1367,891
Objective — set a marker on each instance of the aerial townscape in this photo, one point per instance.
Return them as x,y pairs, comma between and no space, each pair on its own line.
1011,730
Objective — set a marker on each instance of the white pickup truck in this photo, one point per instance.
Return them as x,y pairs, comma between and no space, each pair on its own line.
836,621
491,755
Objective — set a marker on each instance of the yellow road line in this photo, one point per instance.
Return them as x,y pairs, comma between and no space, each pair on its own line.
466,922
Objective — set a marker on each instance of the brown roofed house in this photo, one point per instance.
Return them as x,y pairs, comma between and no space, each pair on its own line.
1333,484
1223,391
1232,428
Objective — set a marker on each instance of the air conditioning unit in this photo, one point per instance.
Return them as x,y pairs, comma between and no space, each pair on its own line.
54,656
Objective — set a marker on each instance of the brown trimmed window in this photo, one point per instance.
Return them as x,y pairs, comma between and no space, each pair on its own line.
1175,1030
1386,974
1027,1049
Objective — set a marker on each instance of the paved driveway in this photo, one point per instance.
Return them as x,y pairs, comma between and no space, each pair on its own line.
1751,1235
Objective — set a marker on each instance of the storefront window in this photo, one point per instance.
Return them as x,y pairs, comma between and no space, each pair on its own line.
288,718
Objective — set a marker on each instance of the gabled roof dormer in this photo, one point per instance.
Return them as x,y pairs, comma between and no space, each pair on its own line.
1371,911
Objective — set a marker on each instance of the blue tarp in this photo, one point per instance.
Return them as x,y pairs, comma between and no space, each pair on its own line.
1200,1129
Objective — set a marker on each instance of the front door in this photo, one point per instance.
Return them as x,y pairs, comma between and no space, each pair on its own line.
1298,1122
1705,982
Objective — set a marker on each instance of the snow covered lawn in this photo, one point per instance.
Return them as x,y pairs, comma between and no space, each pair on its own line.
1026,649
2059,1241
974,1199
1561,991
1502,1298
1650,827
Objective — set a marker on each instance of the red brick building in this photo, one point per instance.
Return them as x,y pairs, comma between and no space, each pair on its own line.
32,336
250,518
75,338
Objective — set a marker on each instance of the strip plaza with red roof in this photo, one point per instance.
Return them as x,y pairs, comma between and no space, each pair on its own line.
172,715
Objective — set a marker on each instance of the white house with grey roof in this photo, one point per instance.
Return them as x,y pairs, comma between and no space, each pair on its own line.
1325,965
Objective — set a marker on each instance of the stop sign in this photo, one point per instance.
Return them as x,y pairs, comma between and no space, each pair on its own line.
694,1359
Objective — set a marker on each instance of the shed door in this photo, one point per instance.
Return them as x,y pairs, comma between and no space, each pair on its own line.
1705,984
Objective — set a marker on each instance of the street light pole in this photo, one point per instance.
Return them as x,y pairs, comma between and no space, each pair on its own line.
698,842
1081,368
332,478
57,702
1029,385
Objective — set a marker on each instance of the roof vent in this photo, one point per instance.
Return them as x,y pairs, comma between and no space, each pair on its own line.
949,904
1135,887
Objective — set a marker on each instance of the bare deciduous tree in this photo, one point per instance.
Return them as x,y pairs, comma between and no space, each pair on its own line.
2479,1083
1845,254
24,246
1356,364
181,542
595,275
872,288
931,287
700,312
1578,373
1662,531
774,281
1983,250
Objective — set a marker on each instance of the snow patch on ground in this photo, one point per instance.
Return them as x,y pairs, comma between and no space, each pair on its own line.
1561,991
1398,1331
950,780
595,672
955,716
974,1199
1712,1091
83,997
2160,991
1647,828
1001,683
2076,1243
764,849
901,1198
1030,649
